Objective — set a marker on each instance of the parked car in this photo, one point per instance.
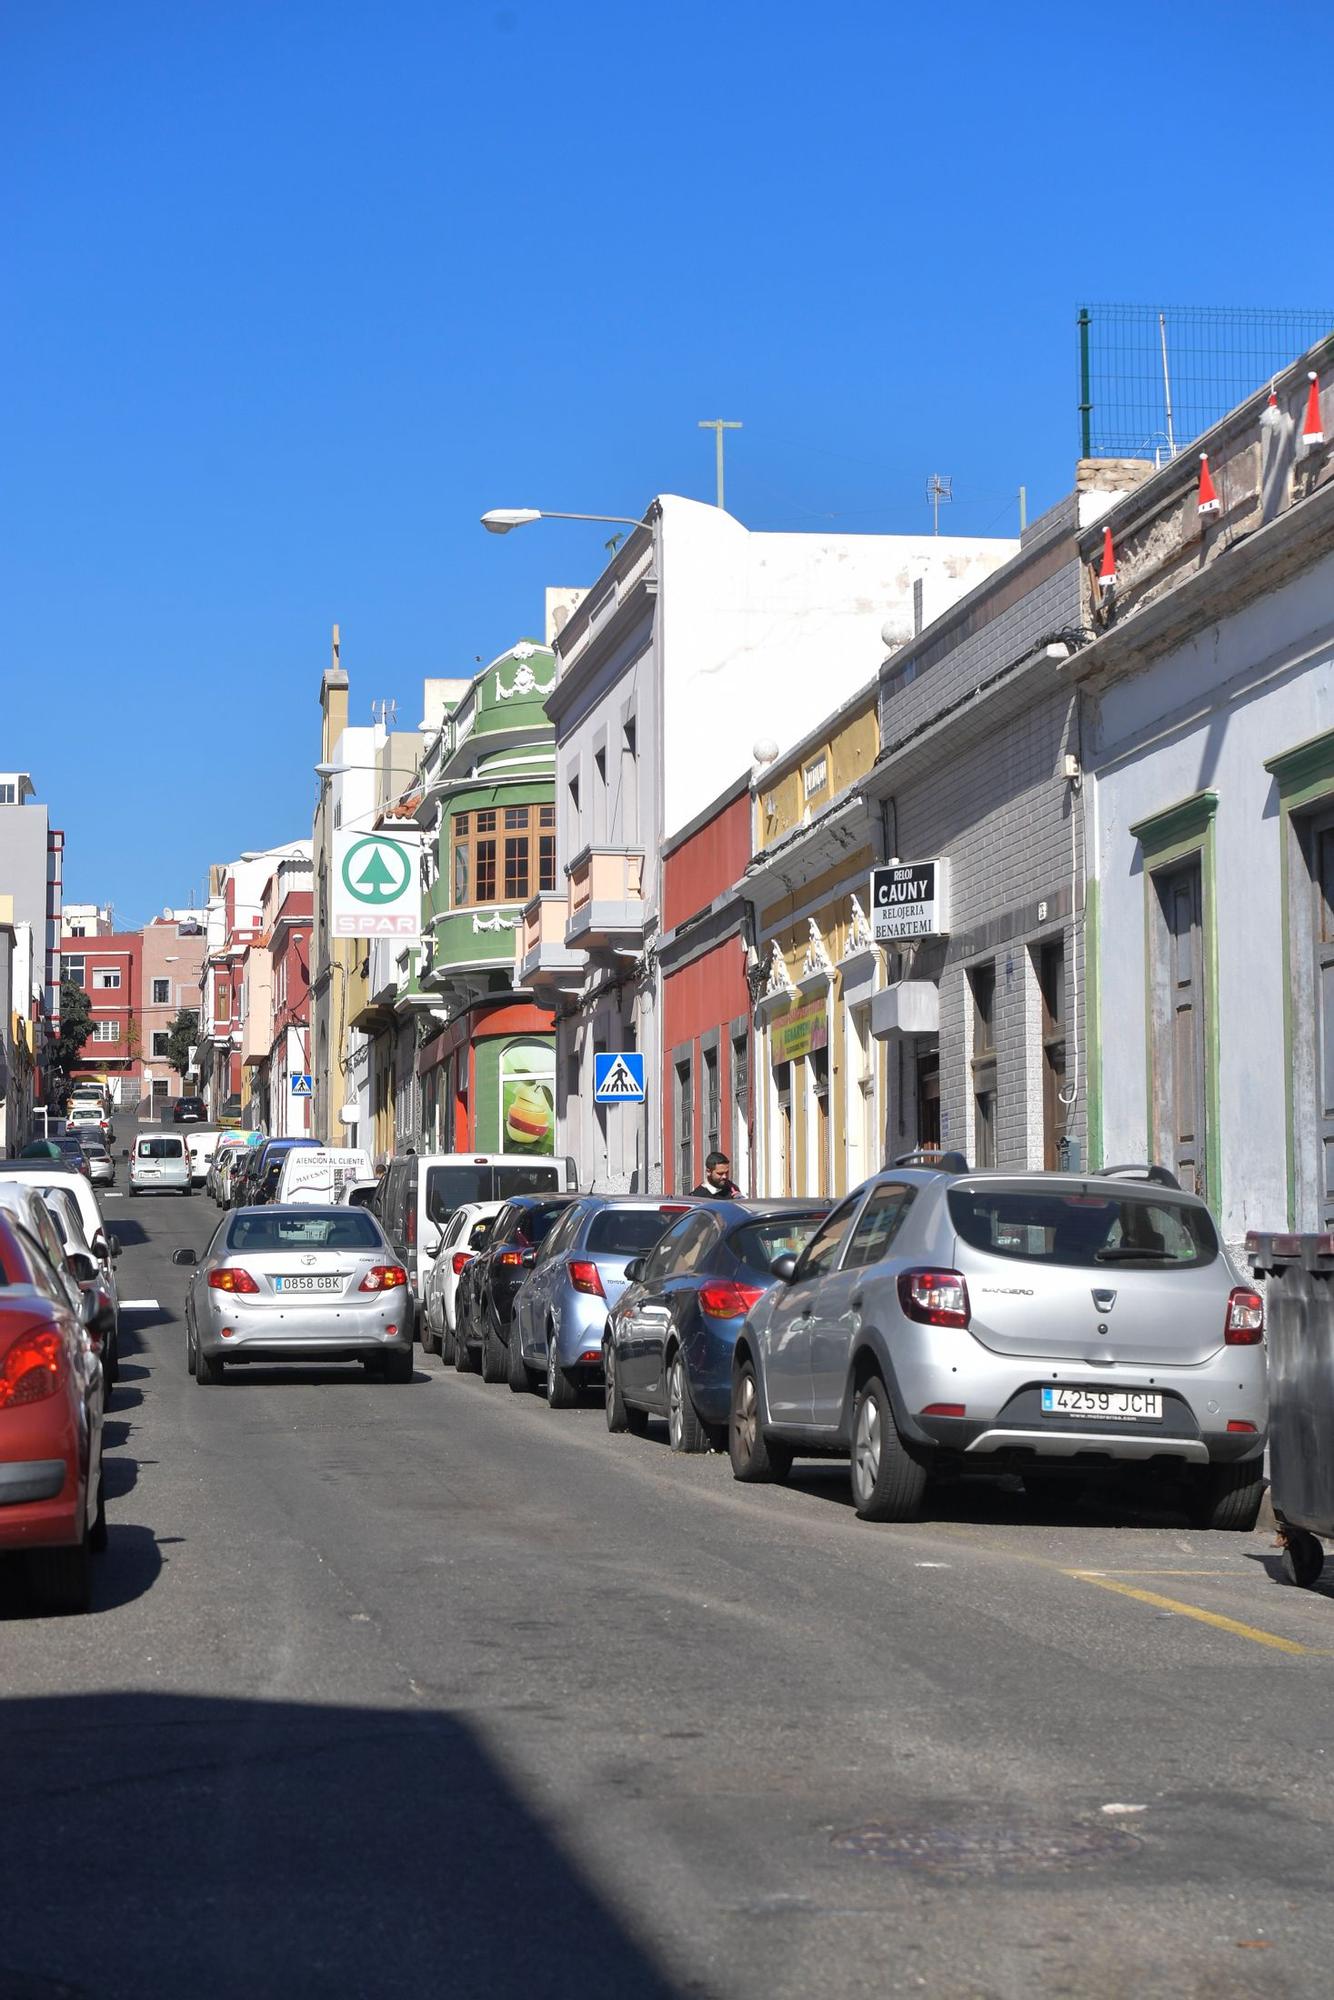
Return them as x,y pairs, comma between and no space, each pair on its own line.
297,1284
578,1275
52,1394
56,1219
160,1164
101,1163
46,1175
91,1119
463,1236
359,1192
189,1111
69,1147
419,1192
241,1172
1010,1322
487,1299
669,1339
228,1143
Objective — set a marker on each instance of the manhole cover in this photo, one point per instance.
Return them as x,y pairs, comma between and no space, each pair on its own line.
980,1846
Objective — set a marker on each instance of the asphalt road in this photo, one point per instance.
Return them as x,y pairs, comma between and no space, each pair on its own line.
426,1689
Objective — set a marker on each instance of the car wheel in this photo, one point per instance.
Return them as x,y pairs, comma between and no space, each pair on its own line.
396,1364
208,1368
495,1361
754,1456
448,1347
1303,1558
561,1391
189,1351
1228,1496
97,1532
463,1360
617,1414
62,1579
685,1432
516,1368
430,1341
887,1482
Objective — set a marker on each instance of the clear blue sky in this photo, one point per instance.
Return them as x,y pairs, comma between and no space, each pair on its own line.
294,289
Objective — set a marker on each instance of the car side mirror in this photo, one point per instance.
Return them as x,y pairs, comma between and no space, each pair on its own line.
125,1152
113,1247
634,1270
184,1257
785,1267
82,1266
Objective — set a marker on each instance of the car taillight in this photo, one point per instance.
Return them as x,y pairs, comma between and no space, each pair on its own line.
586,1277
1245,1322
722,1299
459,1259
383,1278
231,1279
935,1298
410,1225
510,1257
31,1370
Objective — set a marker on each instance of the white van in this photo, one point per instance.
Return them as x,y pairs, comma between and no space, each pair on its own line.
160,1163
203,1145
419,1193
320,1173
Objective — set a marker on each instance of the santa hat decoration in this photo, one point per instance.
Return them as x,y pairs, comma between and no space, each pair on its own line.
1312,426
1107,574
1208,501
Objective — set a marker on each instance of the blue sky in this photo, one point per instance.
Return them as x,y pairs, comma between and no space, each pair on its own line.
294,291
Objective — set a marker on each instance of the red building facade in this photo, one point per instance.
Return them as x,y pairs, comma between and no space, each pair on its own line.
706,1006
110,971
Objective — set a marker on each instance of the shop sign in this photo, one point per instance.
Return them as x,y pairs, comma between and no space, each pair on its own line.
910,899
797,1034
376,885
528,1098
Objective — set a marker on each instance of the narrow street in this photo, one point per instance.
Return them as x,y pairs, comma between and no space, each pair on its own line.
428,1688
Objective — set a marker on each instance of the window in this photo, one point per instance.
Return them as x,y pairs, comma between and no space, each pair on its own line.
161,992
1051,987
222,1000
685,1126
1088,1230
72,968
1179,1041
740,1148
474,857
983,979
863,1142
713,1109
575,842
817,1064
600,825
759,1243
691,1245
106,978
106,1031
75,930
625,1232
878,1224
160,1087
821,1253
629,783
160,1040
9,797
506,853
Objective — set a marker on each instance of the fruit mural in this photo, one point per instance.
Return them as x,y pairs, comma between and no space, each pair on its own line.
527,1098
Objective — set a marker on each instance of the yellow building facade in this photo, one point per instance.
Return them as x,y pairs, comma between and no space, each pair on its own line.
819,1072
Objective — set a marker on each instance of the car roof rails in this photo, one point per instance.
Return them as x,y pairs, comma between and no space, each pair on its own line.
1140,1170
941,1163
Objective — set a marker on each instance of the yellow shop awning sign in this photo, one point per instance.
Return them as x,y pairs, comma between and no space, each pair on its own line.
801,1032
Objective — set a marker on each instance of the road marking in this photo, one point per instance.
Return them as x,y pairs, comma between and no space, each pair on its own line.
139,1305
1216,1618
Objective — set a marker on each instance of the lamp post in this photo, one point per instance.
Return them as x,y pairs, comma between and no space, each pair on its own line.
499,520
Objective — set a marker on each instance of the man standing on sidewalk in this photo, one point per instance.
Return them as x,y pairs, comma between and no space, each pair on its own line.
717,1184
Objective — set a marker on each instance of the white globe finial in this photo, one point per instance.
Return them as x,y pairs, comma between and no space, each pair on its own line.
765,750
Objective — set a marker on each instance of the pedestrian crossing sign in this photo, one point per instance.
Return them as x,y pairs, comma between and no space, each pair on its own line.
301,1086
618,1077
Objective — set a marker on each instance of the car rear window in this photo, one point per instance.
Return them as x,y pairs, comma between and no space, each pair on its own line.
480,1232
524,1180
1089,1227
534,1225
447,1188
758,1243
161,1149
297,1229
624,1232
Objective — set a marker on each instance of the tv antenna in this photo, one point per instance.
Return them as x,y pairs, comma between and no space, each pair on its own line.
938,488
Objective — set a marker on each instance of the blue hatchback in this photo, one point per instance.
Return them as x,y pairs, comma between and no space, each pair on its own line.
667,1350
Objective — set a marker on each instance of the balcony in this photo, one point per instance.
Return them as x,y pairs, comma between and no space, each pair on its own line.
541,955
606,899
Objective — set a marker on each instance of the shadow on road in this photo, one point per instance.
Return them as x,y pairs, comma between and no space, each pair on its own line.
1003,1500
284,1848
128,1570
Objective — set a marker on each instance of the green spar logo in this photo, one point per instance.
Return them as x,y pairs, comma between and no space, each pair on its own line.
376,871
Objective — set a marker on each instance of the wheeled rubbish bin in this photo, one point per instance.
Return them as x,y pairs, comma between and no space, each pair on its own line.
1298,1272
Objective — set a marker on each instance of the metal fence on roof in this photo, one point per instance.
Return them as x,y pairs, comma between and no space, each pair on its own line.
1153,378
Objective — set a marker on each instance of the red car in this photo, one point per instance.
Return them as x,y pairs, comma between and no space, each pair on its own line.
52,1508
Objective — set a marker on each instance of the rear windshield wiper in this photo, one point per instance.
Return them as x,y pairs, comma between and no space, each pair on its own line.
1125,1253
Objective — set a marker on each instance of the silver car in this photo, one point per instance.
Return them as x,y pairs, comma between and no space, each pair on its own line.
298,1284
160,1164
1031,1322
560,1312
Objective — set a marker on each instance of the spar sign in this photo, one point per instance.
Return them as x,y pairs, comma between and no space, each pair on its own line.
376,885
910,899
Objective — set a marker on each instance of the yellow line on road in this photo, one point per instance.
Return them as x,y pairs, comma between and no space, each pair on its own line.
1232,1625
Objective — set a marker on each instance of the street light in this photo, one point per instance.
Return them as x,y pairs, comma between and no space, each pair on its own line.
500,520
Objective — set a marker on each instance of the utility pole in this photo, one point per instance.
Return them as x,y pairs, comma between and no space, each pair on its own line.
718,425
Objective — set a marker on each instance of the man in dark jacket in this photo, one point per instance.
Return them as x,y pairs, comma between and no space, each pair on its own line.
717,1183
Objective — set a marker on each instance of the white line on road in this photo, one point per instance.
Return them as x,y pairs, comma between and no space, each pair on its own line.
139,1305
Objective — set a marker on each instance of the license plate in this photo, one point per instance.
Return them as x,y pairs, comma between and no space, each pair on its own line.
1122,1406
307,1284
